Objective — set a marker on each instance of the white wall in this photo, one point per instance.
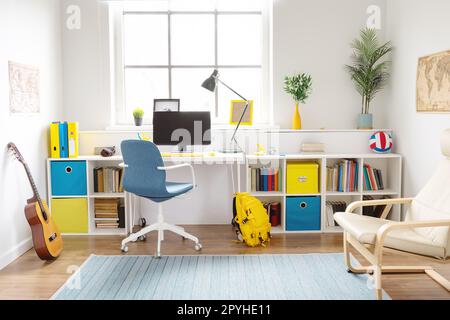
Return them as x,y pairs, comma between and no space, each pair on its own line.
30,34
416,28
310,36
314,37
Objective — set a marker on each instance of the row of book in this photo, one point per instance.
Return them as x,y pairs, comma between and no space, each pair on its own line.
373,179
266,179
108,180
343,177
64,139
331,208
340,206
109,213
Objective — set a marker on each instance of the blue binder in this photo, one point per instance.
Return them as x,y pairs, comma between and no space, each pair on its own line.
63,141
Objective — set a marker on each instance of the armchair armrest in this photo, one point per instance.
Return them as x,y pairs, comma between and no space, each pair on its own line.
385,229
179,166
387,202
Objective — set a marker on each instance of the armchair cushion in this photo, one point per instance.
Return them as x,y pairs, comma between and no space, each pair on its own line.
364,229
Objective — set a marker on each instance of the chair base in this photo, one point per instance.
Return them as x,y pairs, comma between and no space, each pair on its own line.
378,270
160,226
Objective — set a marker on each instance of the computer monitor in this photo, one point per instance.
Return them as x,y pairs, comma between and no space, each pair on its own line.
182,129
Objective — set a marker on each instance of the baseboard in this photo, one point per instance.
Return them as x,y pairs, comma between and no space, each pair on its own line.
15,252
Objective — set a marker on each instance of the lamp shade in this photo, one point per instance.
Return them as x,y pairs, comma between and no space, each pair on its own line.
210,83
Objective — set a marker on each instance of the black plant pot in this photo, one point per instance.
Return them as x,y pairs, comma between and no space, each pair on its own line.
138,121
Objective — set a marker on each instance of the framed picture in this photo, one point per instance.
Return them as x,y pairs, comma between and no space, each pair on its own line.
433,83
237,107
166,105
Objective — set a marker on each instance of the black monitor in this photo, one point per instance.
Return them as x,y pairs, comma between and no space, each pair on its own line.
182,129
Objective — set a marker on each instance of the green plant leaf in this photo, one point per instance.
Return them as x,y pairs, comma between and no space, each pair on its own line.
298,86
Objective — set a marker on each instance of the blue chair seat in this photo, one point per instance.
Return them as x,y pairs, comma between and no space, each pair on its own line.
177,189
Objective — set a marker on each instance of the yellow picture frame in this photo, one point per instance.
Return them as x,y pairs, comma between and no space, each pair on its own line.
236,108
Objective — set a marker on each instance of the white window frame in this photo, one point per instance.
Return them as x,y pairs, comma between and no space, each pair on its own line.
117,65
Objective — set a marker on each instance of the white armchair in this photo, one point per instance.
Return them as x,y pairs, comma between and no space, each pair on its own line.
424,232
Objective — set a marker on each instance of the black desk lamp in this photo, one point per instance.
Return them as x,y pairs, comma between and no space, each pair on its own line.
211,85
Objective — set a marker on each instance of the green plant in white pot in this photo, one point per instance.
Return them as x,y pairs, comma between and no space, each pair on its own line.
138,115
369,71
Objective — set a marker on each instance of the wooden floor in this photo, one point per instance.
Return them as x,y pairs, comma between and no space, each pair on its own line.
30,278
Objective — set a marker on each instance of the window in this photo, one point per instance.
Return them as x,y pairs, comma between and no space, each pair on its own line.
167,48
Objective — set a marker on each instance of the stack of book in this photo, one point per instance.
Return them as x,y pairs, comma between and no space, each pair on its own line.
108,180
107,213
343,177
331,208
265,179
373,179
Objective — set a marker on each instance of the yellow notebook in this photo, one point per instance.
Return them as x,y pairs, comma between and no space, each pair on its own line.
72,129
54,140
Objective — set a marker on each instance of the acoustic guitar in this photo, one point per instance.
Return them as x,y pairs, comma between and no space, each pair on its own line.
46,236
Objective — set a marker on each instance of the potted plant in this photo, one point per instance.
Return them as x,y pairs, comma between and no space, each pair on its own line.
369,71
299,87
138,115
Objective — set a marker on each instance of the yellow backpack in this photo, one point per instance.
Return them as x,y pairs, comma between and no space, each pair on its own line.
251,220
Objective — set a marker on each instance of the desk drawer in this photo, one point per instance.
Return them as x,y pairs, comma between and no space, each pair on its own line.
68,178
303,213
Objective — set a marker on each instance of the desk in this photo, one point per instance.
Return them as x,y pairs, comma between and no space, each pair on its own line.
88,196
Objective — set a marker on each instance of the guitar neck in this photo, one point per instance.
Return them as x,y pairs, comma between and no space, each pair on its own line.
33,186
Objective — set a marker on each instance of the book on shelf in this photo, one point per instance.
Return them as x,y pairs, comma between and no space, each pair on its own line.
331,208
108,180
374,211
343,177
265,179
373,178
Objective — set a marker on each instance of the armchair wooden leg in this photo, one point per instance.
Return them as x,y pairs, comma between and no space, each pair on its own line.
438,278
348,262
377,282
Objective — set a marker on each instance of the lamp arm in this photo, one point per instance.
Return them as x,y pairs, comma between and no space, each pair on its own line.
232,90
247,103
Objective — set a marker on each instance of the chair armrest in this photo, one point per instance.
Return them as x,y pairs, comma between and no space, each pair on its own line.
388,202
385,229
123,165
179,166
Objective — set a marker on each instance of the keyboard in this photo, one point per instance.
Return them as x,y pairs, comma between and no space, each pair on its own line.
188,154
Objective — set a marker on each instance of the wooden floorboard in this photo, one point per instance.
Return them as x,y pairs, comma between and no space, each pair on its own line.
30,278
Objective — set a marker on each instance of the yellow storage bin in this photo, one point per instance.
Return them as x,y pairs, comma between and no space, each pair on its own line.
302,178
70,215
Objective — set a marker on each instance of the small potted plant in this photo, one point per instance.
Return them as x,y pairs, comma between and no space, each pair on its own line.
368,73
300,88
138,115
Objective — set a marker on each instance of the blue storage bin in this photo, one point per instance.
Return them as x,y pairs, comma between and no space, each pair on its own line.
303,213
68,178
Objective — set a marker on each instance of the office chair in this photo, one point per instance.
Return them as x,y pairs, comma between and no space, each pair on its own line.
145,176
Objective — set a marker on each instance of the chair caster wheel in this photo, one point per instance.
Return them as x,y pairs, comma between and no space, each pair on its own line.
183,238
124,249
198,247
349,271
142,238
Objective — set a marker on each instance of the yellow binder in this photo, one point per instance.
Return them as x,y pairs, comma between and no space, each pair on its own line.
73,139
54,140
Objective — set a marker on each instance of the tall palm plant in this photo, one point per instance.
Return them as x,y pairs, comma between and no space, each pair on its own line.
368,72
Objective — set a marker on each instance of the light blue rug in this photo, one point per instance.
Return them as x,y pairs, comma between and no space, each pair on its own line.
200,277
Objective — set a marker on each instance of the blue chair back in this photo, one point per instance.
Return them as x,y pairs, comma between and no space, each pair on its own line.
142,176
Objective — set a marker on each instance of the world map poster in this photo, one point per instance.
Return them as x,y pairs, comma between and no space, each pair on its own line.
433,83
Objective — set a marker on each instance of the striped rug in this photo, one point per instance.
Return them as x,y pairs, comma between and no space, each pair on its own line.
200,277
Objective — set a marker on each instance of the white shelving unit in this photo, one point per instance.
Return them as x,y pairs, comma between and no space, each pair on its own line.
389,164
91,163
